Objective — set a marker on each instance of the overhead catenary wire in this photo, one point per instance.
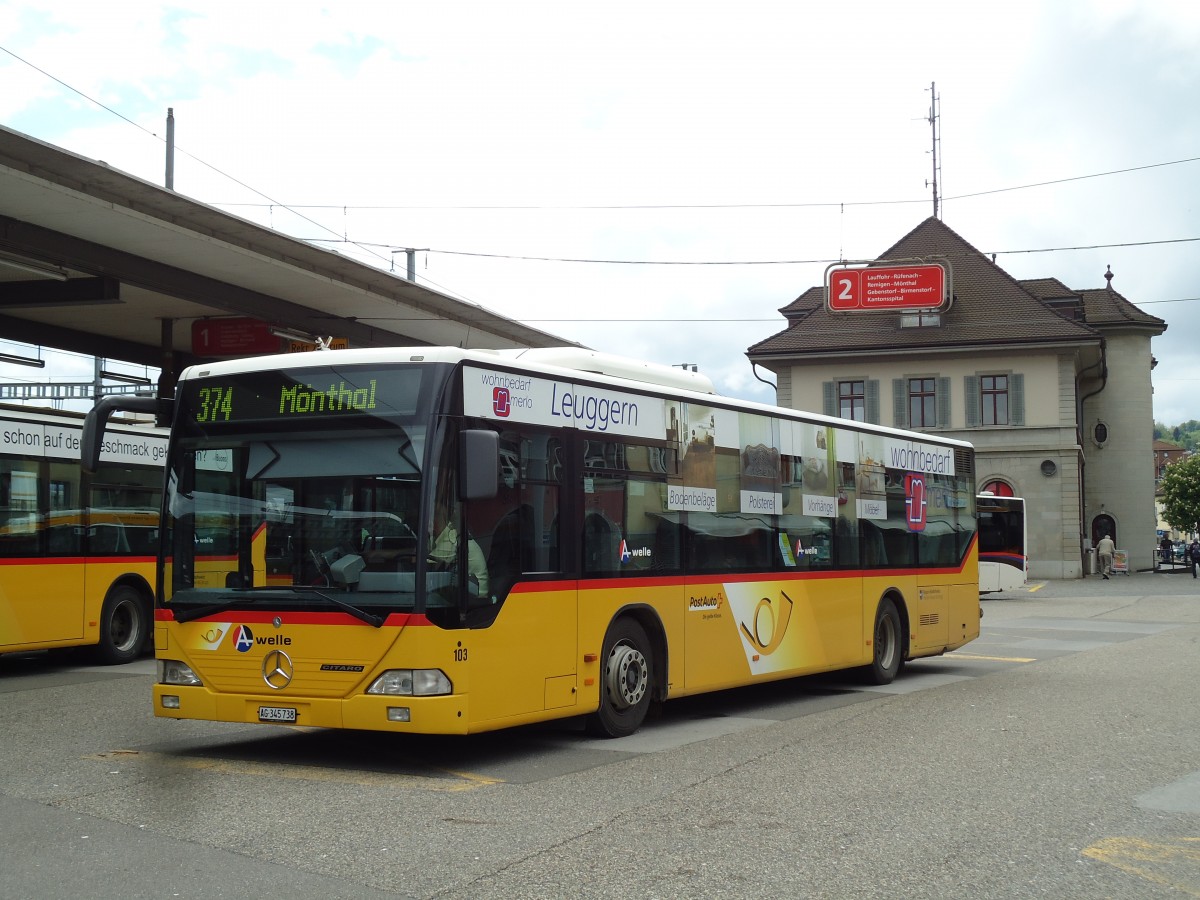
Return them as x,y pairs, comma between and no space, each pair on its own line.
175,146
367,246
756,262
826,204
370,247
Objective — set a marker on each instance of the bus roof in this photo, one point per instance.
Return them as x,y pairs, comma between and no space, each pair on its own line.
561,362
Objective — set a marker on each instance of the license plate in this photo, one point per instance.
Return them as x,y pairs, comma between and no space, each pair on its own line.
276,714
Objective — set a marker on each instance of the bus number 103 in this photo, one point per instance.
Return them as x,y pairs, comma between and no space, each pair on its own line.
216,404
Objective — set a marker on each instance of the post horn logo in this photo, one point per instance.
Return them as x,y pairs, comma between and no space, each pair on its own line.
765,633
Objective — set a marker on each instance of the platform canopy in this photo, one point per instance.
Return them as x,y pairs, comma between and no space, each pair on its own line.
97,261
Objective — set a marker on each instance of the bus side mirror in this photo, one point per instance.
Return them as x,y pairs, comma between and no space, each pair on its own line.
478,464
92,438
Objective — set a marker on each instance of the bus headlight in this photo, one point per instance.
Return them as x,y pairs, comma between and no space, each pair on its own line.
172,671
412,682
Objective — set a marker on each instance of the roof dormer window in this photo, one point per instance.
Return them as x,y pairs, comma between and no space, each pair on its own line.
1067,307
922,319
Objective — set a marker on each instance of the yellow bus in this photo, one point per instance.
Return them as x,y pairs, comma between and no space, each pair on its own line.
436,540
77,551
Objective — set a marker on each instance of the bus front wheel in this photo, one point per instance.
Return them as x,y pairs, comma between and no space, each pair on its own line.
887,644
625,681
124,626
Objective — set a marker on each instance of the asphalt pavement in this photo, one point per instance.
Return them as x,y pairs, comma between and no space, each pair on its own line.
1057,756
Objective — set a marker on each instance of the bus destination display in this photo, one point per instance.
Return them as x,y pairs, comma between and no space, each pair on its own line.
280,396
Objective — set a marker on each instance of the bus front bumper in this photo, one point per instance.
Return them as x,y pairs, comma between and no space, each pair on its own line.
404,714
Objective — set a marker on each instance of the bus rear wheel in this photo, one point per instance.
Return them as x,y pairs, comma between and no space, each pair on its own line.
124,626
625,681
887,644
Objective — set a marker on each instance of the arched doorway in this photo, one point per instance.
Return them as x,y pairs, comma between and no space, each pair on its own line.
999,488
1101,525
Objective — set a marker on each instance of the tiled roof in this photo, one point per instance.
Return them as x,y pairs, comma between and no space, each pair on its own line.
1101,306
989,306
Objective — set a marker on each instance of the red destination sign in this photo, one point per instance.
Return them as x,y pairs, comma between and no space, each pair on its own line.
886,288
236,336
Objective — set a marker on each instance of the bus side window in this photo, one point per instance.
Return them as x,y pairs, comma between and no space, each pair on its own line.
518,528
666,546
21,522
510,550
874,554
601,543
627,530
809,541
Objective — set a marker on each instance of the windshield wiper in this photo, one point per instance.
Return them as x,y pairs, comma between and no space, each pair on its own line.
360,614
199,612
230,600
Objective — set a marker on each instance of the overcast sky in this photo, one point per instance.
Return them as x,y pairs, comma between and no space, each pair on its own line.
760,140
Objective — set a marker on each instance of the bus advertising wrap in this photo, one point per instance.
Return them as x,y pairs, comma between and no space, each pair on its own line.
62,442
829,465
561,404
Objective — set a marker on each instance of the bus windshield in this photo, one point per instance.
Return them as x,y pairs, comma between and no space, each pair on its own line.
260,511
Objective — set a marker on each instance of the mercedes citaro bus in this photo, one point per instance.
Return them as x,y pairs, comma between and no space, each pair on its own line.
440,540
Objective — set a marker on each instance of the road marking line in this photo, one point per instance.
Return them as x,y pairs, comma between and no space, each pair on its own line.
461,781
1123,852
1017,659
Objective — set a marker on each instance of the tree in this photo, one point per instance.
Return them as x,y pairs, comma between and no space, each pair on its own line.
1181,493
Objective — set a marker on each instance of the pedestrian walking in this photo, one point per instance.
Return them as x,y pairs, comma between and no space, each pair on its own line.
1105,550
1194,556
1167,549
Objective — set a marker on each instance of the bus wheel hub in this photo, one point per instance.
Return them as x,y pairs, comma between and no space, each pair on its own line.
626,675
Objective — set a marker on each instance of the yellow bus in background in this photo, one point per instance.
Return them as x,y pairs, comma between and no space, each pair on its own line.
77,551
436,540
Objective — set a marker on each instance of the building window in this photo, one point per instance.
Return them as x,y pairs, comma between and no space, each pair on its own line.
922,403
852,400
994,399
921,319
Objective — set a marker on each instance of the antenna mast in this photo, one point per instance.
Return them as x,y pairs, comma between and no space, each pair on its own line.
935,128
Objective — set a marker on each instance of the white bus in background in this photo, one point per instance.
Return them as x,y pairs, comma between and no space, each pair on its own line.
1003,556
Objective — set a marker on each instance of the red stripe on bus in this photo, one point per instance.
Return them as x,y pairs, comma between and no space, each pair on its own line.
75,560
290,617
